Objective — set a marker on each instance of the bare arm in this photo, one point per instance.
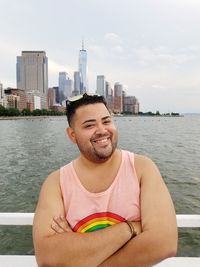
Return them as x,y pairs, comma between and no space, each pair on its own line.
159,237
69,248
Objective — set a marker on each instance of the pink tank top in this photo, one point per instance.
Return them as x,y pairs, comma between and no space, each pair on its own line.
87,212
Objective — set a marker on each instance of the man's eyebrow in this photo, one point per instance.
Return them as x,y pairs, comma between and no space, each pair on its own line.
105,118
93,120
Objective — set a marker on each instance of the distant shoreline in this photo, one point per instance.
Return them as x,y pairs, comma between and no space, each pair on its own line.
115,115
146,115
28,117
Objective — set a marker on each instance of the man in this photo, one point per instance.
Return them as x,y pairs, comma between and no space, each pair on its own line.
103,187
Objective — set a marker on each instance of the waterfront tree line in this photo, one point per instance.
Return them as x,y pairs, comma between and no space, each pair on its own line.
14,112
158,114
10,112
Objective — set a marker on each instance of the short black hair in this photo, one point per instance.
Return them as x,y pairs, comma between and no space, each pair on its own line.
85,99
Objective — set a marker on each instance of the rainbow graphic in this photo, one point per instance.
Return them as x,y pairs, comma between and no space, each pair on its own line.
97,221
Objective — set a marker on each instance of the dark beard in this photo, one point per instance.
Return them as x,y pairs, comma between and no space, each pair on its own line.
95,156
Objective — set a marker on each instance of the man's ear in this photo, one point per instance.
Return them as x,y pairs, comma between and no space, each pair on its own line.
71,134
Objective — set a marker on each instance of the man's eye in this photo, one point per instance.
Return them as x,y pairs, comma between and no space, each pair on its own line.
107,122
88,125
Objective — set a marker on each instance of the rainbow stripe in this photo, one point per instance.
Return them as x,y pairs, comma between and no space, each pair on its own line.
97,221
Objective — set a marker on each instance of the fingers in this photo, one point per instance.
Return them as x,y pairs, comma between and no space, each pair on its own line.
56,228
60,225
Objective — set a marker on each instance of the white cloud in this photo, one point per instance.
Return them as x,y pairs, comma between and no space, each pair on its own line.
104,52
7,48
187,3
178,3
190,49
159,56
55,67
113,38
97,50
118,49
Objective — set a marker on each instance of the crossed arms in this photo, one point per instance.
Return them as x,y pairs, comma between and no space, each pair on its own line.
110,247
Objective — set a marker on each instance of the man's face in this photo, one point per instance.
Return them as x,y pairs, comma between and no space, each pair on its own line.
94,132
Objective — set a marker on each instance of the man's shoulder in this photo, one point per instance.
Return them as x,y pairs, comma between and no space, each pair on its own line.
51,184
142,163
138,157
142,158
53,178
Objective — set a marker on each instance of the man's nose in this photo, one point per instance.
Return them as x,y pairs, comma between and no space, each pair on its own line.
101,128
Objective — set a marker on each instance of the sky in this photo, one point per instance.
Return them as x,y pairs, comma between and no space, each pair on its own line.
152,47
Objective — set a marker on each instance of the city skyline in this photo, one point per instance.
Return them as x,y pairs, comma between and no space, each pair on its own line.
152,48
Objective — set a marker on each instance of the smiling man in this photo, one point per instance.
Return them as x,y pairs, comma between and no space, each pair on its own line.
108,207
95,141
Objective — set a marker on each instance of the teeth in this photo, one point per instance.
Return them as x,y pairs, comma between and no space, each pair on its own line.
101,141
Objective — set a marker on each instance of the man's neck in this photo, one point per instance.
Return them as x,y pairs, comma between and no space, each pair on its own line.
82,160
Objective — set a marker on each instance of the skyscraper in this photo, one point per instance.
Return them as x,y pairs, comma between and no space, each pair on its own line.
109,96
101,85
32,74
131,105
108,91
118,96
83,70
65,86
51,97
77,83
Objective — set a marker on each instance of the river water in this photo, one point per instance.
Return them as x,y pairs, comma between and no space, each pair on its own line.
32,148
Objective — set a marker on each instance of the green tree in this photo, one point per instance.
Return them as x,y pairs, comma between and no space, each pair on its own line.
44,112
150,113
12,112
51,113
175,114
2,111
37,112
26,112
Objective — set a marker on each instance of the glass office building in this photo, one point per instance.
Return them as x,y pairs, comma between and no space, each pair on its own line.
83,70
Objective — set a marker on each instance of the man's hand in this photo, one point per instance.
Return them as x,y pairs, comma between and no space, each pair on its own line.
60,225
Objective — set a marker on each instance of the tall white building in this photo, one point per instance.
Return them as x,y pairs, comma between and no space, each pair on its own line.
32,74
65,86
83,70
101,85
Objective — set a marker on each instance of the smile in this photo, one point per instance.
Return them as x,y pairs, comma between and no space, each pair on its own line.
102,141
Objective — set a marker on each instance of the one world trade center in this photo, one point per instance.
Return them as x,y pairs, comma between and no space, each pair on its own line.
83,70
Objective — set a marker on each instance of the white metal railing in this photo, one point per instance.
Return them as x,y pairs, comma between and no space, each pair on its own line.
11,218
183,220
